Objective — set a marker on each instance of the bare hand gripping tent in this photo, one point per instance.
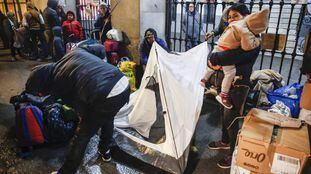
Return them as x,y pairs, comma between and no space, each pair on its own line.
158,123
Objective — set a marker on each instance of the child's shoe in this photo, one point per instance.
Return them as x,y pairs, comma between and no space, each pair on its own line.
224,99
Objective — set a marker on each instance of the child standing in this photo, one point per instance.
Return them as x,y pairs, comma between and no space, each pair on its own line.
241,32
72,29
58,44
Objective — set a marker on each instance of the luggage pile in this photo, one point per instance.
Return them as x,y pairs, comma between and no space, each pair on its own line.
42,120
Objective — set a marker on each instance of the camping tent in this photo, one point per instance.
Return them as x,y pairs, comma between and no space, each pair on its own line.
159,121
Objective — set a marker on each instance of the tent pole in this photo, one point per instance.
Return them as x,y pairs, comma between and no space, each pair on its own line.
180,169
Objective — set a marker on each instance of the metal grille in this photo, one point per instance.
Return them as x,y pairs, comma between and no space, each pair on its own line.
282,42
87,14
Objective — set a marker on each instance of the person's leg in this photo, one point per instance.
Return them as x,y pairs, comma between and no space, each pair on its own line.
12,48
229,72
34,43
223,97
88,127
224,143
111,108
106,137
43,42
229,134
231,127
239,95
208,73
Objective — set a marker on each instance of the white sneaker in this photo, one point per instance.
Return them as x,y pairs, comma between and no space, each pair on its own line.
55,172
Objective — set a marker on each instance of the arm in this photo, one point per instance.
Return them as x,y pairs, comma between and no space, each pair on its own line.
163,44
143,55
248,40
56,19
220,28
233,57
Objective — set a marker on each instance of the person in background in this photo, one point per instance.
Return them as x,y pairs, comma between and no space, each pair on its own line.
61,14
145,47
223,21
96,89
72,29
51,19
103,22
10,25
243,61
4,38
59,49
240,33
191,26
34,21
150,36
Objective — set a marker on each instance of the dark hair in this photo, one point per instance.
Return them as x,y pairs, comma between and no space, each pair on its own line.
150,30
241,8
70,12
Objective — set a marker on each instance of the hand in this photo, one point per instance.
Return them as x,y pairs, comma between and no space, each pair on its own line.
216,67
209,35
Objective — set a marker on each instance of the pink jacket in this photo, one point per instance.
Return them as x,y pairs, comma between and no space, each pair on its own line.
242,33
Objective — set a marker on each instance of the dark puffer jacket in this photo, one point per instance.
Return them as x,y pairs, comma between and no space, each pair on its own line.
78,78
50,15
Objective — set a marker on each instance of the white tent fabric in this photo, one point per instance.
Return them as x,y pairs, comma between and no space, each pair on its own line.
178,76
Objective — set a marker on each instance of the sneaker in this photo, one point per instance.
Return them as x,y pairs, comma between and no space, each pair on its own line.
106,157
215,145
13,59
225,163
203,82
55,172
224,99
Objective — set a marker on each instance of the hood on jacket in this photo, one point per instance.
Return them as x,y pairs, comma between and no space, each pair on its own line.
52,4
150,32
39,80
71,12
258,22
93,48
57,31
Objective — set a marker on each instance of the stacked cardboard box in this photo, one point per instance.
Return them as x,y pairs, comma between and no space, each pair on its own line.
264,147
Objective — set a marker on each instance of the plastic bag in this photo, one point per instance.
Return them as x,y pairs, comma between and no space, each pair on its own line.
280,108
115,34
289,95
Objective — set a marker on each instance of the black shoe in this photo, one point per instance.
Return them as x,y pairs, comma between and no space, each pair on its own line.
106,157
215,145
225,163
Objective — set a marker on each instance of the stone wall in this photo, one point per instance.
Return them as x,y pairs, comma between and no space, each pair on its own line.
126,18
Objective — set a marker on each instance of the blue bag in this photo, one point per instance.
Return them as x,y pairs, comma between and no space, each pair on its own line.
283,94
58,129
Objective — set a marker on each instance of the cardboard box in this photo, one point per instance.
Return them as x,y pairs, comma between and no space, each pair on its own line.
267,148
305,101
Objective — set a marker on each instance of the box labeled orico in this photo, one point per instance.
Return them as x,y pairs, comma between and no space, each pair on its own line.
264,147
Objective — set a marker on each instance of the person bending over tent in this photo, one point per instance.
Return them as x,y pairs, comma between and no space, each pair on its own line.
96,89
